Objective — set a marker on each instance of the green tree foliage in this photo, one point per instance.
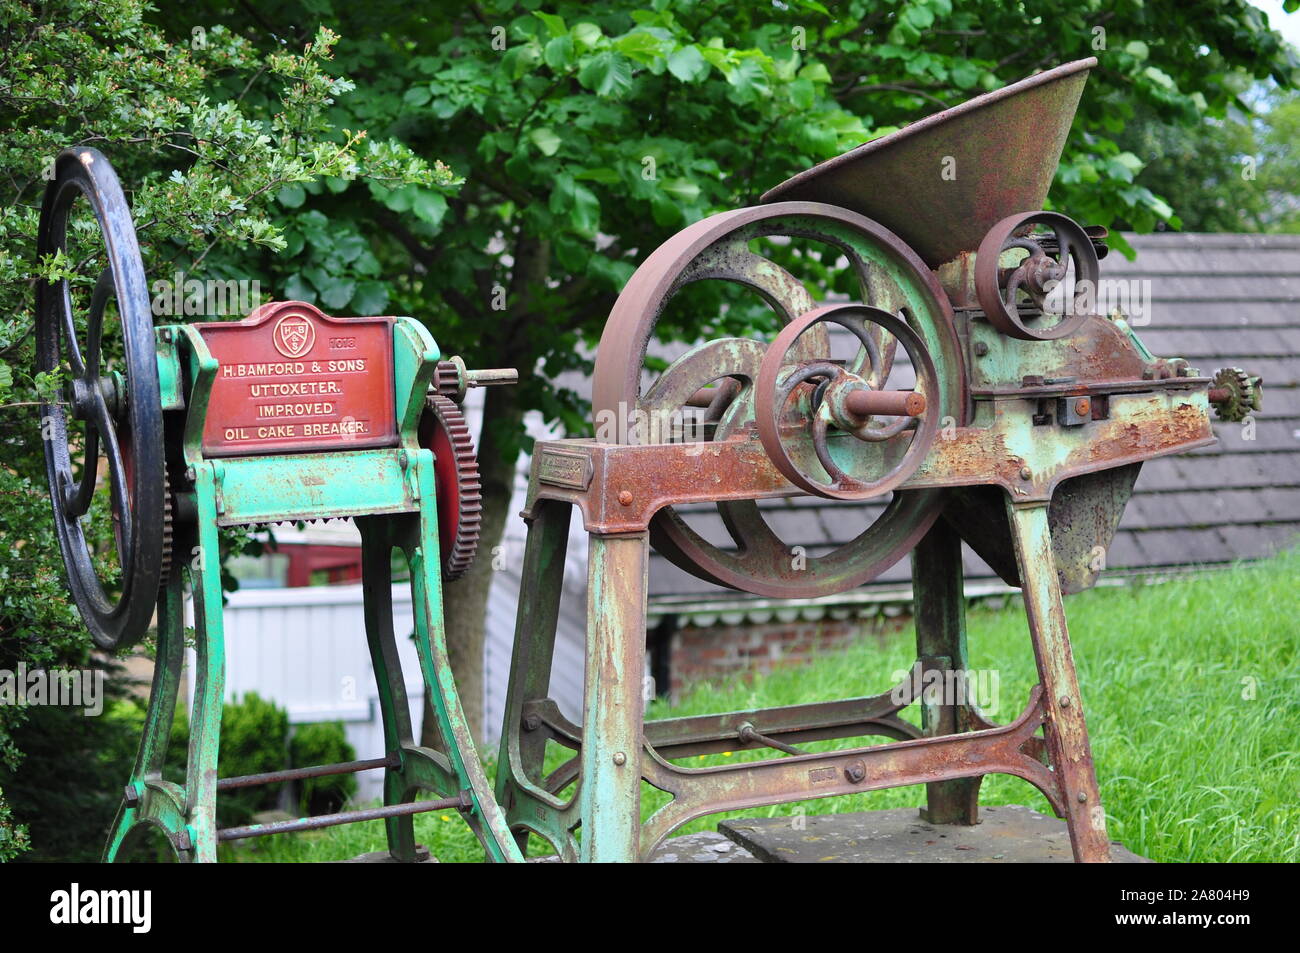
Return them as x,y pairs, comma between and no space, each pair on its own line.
205,133
1236,174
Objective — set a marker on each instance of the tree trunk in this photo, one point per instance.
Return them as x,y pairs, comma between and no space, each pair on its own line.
465,599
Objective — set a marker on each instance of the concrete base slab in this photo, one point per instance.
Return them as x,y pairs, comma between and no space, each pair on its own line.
1009,834
422,856
706,847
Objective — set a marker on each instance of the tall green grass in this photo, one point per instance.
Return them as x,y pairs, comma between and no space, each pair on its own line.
1192,690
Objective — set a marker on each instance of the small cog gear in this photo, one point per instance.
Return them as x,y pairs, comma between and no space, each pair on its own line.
1235,394
443,430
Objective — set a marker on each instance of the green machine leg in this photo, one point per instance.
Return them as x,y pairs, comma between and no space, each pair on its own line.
520,785
394,706
1065,732
150,803
613,698
940,606
185,814
448,772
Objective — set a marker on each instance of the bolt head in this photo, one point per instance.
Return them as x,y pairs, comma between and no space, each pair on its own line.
1065,701
625,497
532,723
131,796
1083,407
620,758
1083,797
981,348
1026,473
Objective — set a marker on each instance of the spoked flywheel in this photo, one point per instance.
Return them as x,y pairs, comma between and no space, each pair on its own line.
113,396
902,303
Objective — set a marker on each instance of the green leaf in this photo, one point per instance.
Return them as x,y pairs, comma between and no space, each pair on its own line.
349,246
605,176
417,95
683,190
546,140
584,216
554,25
338,292
1137,49
559,52
802,93
965,74
639,45
815,72
429,206
748,79
296,288
1159,76
291,196
688,64
607,74
370,297
586,35
922,18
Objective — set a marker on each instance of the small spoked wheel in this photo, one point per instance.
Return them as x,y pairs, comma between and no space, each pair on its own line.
804,407
1018,296
107,428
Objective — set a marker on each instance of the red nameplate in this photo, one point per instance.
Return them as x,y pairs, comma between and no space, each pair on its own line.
294,379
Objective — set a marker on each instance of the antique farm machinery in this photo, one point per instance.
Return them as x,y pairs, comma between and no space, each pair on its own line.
985,396
287,415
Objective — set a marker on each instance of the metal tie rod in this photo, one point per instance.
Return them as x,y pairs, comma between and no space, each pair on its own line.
461,802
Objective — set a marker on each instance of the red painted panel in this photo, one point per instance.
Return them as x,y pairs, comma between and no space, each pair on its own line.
294,379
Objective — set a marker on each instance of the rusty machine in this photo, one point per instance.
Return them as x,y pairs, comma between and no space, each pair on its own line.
287,415
984,397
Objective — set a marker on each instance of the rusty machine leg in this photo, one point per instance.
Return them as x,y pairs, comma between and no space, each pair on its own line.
614,703
940,601
1065,730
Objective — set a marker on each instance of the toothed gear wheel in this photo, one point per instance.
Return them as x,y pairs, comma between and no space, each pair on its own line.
1243,394
169,534
443,430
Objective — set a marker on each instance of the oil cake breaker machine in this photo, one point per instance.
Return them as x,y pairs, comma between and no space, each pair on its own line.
1017,421
288,415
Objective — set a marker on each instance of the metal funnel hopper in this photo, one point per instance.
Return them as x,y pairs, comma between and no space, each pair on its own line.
941,183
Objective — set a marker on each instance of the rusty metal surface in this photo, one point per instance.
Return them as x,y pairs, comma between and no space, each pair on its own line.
1003,146
1045,264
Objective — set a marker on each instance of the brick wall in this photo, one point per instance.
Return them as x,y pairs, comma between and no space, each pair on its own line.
720,652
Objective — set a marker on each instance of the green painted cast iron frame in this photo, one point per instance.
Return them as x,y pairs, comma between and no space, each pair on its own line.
392,494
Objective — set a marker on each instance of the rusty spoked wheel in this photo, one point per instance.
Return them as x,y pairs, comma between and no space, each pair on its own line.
891,278
117,400
807,405
1051,242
